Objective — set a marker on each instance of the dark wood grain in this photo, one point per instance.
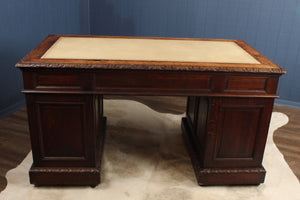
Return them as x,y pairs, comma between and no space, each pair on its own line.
33,59
155,82
15,144
229,134
64,134
225,99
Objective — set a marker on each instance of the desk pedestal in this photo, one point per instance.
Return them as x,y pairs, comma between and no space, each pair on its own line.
226,137
67,136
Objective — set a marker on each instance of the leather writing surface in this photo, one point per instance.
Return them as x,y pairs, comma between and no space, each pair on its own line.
93,48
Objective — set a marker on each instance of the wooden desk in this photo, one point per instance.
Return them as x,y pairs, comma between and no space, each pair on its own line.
229,85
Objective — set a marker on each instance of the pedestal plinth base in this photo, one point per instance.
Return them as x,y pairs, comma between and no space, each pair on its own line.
76,176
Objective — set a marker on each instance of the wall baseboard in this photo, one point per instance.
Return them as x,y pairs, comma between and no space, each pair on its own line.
12,108
288,103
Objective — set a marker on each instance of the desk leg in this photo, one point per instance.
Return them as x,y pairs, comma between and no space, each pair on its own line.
67,133
226,137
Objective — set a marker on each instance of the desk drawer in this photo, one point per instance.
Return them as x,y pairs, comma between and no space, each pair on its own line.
250,84
57,80
54,81
144,82
240,83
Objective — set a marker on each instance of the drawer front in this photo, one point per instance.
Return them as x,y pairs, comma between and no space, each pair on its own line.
159,82
60,80
45,80
142,82
251,84
247,84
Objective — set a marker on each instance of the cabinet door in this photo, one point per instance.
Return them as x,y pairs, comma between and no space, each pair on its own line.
63,129
237,132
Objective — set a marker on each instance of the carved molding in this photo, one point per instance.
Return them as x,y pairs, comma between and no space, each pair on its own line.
233,171
63,170
22,64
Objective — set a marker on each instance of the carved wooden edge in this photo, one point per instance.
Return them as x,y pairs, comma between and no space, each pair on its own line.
232,171
64,170
64,176
23,64
32,60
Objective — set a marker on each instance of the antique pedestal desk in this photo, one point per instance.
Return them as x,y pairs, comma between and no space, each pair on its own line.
230,89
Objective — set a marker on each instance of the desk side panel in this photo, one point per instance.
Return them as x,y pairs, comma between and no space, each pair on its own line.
226,138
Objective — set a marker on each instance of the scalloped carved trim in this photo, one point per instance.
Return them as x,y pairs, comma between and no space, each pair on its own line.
233,171
64,170
148,67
